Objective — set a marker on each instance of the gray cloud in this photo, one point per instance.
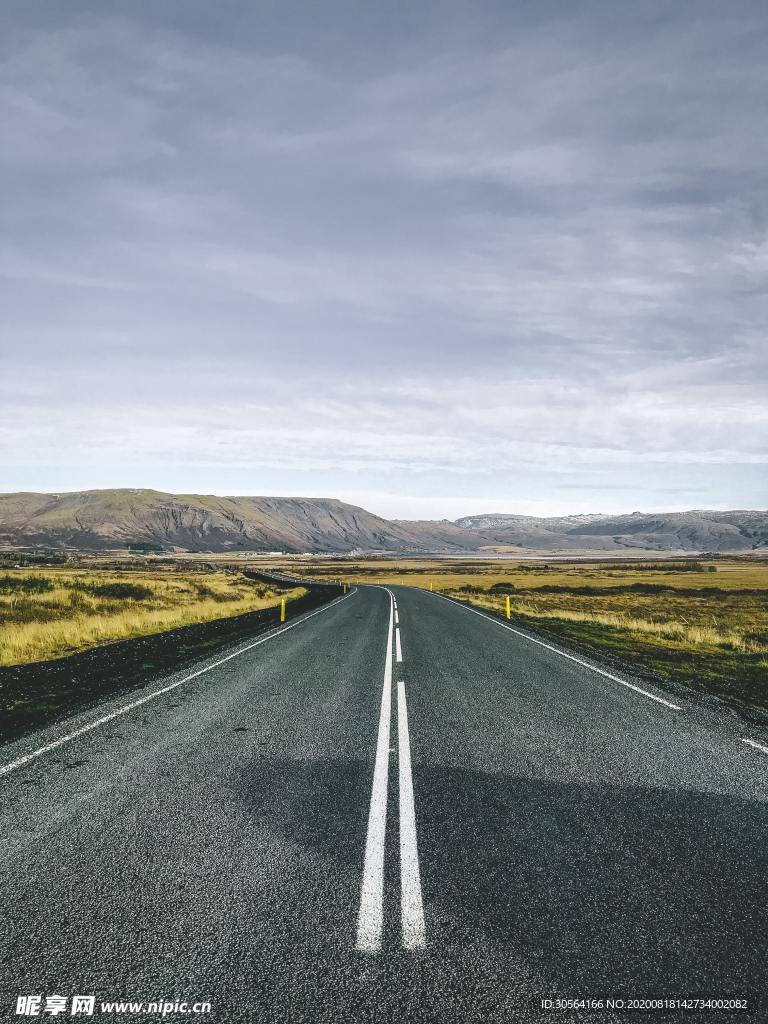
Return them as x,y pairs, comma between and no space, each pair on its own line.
460,254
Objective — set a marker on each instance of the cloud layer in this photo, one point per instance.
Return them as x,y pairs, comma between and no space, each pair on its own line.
454,259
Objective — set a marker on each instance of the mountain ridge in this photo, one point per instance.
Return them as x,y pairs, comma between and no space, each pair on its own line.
110,519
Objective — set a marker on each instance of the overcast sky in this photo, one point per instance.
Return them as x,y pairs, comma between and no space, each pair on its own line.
433,258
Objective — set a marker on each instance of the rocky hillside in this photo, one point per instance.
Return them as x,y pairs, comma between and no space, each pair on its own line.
114,519
93,520
668,531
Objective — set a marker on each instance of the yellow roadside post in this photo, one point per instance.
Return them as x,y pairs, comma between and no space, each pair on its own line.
508,615
430,586
282,609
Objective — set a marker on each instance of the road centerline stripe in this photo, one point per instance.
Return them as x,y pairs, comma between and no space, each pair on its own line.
411,901
370,919
397,645
55,744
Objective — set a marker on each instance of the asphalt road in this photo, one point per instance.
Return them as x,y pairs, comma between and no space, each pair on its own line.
313,830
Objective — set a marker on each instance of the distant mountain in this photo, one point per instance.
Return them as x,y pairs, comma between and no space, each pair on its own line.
103,520
666,531
499,520
114,519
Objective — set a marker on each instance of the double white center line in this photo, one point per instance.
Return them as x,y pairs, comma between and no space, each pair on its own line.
370,922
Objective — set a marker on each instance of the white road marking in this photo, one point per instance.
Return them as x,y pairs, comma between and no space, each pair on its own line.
5,769
411,903
570,657
754,743
370,919
397,618
398,648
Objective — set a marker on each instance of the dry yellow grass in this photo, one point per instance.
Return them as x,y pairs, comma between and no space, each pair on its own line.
48,613
666,629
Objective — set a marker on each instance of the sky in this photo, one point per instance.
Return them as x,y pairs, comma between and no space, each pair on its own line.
436,259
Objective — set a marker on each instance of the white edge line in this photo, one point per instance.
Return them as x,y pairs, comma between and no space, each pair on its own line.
754,743
370,918
6,769
570,657
411,902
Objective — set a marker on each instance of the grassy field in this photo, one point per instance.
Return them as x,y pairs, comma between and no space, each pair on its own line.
52,612
698,621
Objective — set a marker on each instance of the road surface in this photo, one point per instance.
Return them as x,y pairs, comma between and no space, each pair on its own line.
394,809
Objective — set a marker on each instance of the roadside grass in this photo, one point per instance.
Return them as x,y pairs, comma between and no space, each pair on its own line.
51,613
697,621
